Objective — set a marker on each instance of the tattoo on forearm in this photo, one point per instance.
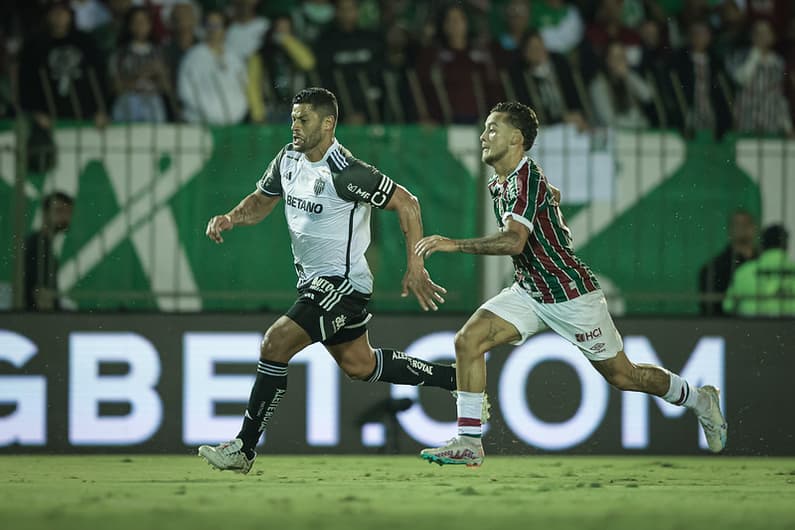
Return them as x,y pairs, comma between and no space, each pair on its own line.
250,211
496,244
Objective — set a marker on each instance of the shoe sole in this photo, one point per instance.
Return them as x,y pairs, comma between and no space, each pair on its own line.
433,459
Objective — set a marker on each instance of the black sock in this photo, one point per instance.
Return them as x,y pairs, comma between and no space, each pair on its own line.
393,366
268,390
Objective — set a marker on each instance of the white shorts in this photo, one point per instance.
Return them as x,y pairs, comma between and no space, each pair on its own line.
583,321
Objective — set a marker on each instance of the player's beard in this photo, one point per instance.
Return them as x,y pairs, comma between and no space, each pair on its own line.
491,156
307,141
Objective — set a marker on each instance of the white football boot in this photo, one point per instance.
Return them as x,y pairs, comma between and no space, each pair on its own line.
712,420
228,456
465,450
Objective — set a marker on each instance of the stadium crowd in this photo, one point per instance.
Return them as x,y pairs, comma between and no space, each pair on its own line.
693,65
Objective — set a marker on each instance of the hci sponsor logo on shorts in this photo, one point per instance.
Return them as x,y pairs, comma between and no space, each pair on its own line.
591,335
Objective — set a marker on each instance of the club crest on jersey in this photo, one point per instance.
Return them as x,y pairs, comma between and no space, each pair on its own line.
511,192
320,185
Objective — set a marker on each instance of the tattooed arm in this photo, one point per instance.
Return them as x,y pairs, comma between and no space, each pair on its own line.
251,210
508,242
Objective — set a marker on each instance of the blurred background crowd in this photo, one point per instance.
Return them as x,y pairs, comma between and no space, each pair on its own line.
691,65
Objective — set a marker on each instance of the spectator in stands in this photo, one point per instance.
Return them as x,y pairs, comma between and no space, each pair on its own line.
400,97
8,66
715,276
184,26
41,265
608,27
62,73
655,67
456,78
246,32
160,13
138,72
106,36
765,287
559,24
314,17
516,23
546,82
732,36
285,61
349,63
777,12
680,15
212,82
761,105
89,14
620,95
701,85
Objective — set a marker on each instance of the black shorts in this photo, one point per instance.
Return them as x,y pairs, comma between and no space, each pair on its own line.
330,310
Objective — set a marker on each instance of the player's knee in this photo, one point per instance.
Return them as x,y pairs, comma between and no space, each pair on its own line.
467,343
273,346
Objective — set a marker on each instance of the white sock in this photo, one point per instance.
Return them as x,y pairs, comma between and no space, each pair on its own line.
469,405
681,392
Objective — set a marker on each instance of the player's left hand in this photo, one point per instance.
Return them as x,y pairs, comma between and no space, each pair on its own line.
428,245
418,281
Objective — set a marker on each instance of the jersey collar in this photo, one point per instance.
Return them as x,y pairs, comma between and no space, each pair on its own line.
494,182
333,147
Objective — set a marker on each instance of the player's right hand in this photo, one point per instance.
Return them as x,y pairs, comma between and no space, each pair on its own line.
218,224
418,281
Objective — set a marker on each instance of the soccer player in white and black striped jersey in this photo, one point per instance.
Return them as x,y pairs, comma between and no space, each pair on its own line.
328,196
552,289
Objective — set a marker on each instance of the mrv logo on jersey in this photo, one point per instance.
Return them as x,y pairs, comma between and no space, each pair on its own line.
359,192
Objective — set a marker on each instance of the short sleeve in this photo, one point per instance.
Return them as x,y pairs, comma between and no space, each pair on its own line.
361,182
270,183
530,190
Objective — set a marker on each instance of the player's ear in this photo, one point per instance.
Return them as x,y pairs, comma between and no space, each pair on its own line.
329,122
516,137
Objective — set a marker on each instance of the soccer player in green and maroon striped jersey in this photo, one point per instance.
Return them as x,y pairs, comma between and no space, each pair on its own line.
552,289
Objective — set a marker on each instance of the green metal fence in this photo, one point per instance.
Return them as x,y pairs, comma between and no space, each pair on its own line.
647,209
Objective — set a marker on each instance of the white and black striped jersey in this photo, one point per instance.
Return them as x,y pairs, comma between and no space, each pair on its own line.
327,206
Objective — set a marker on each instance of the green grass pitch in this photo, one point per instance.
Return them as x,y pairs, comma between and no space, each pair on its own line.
346,492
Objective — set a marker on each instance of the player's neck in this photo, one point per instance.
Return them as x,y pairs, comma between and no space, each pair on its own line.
505,166
316,153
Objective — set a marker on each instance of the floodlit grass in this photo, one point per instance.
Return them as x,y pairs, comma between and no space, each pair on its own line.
345,492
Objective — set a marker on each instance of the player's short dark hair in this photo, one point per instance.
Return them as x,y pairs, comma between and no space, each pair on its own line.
774,236
323,101
56,196
522,117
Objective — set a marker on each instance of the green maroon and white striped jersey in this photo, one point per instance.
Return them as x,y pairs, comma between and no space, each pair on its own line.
327,206
547,266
